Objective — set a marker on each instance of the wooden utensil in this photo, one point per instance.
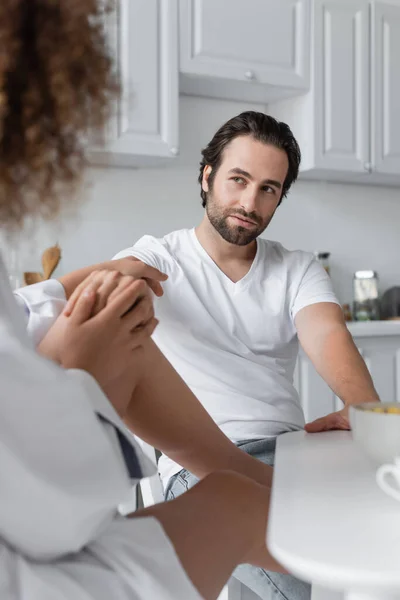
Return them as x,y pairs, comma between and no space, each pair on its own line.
30,277
50,259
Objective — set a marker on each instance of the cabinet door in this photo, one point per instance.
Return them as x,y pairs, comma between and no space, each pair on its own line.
145,39
382,357
258,40
386,87
341,85
316,397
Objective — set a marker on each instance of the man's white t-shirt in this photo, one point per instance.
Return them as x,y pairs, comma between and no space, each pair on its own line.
234,344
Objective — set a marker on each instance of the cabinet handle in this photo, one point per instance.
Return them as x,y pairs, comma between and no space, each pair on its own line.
249,75
368,167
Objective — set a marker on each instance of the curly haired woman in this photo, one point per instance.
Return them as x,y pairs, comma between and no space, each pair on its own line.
67,460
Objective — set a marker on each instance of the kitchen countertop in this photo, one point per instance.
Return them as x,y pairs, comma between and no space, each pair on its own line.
373,328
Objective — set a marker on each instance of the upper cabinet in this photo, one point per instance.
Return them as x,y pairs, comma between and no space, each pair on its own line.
256,50
347,124
341,86
329,68
144,37
385,82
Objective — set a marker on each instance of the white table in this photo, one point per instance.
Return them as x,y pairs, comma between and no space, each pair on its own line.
330,524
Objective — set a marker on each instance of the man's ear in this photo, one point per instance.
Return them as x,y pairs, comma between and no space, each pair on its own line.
206,174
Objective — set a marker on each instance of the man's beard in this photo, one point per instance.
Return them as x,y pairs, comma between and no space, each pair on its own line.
234,234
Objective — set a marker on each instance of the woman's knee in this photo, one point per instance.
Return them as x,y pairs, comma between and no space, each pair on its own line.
234,488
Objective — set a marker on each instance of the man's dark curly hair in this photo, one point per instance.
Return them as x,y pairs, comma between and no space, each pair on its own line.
56,86
262,128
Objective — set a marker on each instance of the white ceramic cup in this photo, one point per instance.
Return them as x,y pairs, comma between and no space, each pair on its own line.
391,488
377,434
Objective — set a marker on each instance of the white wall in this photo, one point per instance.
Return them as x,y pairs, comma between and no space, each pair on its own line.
359,225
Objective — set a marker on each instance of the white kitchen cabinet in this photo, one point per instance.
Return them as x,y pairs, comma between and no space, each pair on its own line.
341,98
348,125
144,36
379,344
254,50
386,87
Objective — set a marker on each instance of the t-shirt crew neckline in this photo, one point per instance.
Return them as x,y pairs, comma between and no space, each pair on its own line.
228,283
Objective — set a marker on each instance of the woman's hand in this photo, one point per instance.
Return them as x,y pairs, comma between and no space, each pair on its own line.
112,316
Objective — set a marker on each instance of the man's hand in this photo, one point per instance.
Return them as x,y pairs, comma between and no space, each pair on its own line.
139,270
128,266
125,266
336,420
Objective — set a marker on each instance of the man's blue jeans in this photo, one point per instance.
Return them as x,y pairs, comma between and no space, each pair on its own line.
266,584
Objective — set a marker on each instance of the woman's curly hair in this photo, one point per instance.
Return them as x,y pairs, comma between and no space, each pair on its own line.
57,84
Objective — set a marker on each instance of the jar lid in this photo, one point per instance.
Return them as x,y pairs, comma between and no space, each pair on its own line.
365,275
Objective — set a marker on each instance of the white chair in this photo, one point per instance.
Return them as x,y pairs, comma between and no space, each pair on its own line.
152,493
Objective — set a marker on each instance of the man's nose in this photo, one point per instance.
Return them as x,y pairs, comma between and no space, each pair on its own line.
249,199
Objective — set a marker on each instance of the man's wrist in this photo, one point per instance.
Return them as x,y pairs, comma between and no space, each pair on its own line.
367,398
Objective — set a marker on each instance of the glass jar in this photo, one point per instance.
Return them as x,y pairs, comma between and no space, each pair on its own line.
366,296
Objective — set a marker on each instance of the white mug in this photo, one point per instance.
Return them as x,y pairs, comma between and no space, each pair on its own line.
384,484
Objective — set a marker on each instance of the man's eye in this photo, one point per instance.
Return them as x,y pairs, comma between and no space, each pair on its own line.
239,180
268,189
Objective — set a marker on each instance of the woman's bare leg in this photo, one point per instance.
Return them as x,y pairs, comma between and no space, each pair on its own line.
218,524
165,413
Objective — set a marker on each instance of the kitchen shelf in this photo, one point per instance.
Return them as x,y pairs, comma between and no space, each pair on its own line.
373,328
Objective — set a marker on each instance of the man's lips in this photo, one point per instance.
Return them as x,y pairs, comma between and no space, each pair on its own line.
243,221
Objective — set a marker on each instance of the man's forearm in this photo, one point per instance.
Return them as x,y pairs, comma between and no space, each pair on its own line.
344,369
166,414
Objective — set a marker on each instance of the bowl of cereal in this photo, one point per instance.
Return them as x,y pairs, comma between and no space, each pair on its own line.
376,429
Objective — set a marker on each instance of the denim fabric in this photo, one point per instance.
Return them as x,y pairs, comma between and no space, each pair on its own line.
266,584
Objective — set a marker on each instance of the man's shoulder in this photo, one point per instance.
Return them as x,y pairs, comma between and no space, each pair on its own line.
170,241
290,259
165,252
158,252
177,238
